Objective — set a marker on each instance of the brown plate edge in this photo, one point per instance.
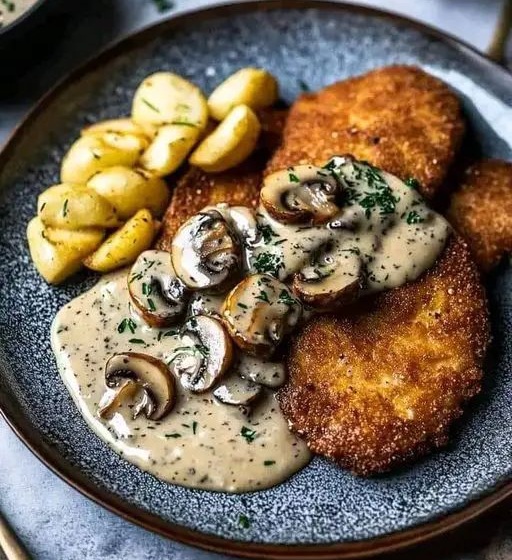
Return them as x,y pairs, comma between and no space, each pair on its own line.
394,542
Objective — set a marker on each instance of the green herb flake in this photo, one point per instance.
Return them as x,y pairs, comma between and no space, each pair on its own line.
413,183
244,522
126,323
242,306
248,434
174,435
269,463
292,177
184,123
286,298
267,263
151,304
150,105
414,218
136,341
65,208
263,296
194,427
267,233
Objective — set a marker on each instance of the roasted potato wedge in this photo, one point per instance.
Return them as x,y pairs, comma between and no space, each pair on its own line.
57,261
165,98
230,143
93,152
87,239
119,126
75,207
130,190
253,87
125,245
169,149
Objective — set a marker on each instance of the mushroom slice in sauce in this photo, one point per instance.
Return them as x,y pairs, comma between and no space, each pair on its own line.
241,219
206,354
334,277
141,379
259,312
237,391
206,252
156,291
301,194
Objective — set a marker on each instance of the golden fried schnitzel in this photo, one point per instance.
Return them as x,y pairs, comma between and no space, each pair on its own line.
380,383
398,118
238,186
481,211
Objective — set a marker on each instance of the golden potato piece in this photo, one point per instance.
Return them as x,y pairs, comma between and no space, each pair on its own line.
87,239
93,153
165,98
253,87
119,126
481,211
75,207
125,245
230,143
130,190
57,261
169,149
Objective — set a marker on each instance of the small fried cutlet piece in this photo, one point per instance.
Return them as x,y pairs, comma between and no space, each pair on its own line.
238,186
398,118
481,211
380,384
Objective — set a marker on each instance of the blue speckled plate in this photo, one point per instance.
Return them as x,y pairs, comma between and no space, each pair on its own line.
323,511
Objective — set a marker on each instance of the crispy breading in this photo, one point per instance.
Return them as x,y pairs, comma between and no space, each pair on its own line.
380,384
481,211
197,189
399,118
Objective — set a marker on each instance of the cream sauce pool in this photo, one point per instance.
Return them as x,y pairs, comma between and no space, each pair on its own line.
12,9
384,236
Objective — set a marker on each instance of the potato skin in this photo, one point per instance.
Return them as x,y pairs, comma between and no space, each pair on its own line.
380,383
124,245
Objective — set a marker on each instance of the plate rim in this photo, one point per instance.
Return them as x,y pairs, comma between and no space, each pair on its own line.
21,426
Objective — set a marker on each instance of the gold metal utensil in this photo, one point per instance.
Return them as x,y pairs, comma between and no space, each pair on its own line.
10,545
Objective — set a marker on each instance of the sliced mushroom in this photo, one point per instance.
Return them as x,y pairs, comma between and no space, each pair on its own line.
259,312
241,219
334,277
301,194
142,381
262,372
205,356
156,291
237,391
206,252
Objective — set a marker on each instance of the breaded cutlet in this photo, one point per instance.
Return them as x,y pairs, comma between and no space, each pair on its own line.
380,384
481,211
399,118
239,186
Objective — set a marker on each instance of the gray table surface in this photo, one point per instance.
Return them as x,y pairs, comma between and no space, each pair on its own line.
55,521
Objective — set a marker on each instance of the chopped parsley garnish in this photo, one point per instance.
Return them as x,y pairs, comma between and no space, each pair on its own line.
267,233
163,5
286,298
136,277
269,463
146,289
268,262
412,183
65,208
151,303
244,522
293,178
126,323
42,207
248,434
150,105
202,349
175,435
414,218
303,86
242,306
136,341
194,427
263,296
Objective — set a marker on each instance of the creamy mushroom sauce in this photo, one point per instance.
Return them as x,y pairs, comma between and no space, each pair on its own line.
12,9
383,224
